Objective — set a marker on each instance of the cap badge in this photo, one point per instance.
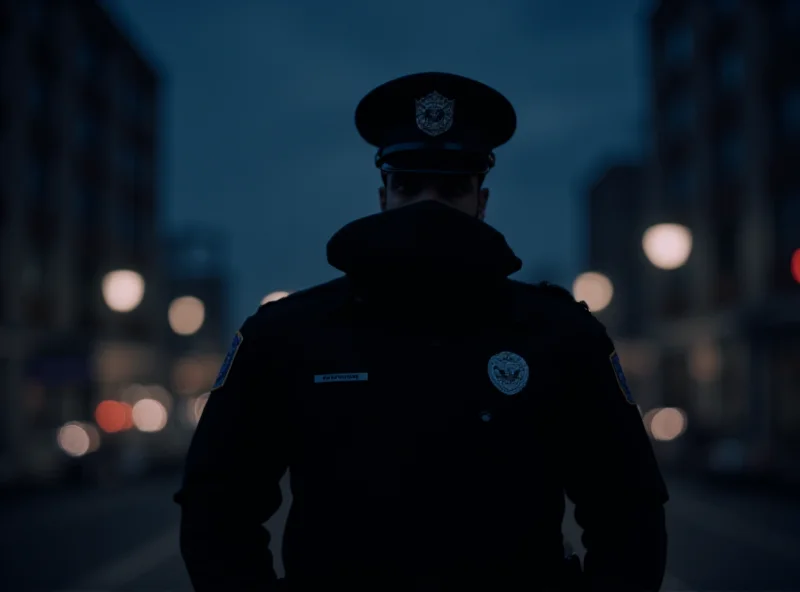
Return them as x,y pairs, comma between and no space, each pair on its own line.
434,114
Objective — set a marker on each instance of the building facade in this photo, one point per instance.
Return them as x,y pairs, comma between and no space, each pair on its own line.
616,223
78,150
615,244
197,267
725,91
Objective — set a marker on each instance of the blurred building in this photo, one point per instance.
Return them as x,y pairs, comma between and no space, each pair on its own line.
78,150
726,119
614,212
199,301
615,244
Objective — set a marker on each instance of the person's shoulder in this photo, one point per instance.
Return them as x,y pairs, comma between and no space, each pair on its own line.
547,296
549,303
304,307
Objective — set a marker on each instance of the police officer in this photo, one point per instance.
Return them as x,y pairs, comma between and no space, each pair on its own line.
431,411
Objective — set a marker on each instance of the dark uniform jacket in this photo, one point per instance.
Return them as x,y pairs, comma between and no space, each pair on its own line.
411,467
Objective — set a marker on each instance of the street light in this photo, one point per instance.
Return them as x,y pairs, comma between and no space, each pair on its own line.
123,290
76,438
665,424
273,296
186,315
149,415
667,246
593,288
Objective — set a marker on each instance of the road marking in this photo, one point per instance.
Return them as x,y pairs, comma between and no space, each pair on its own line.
135,564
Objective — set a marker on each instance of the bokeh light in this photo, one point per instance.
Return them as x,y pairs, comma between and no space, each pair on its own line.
123,290
149,415
132,393
273,296
136,392
160,394
665,423
667,246
593,288
74,439
705,362
186,315
113,416
795,266
194,374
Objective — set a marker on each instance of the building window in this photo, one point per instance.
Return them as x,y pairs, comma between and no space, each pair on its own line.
37,97
730,153
730,70
37,309
128,162
89,208
131,98
4,281
88,131
789,113
5,153
147,109
145,171
681,184
727,259
785,374
5,78
38,186
89,58
789,13
732,388
787,239
36,14
679,46
675,297
726,7
681,112
788,224
128,223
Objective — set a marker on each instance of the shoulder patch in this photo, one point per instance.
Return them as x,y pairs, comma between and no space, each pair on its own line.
228,362
621,380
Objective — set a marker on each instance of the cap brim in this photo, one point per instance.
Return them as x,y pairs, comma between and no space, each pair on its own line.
385,115
437,161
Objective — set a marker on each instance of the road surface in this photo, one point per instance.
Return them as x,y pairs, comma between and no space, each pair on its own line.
125,540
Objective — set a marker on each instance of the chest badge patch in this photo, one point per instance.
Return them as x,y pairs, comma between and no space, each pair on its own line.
226,365
508,372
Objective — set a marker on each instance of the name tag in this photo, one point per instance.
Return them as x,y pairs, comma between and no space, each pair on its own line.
357,377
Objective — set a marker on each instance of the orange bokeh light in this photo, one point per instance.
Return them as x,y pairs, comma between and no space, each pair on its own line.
796,266
113,416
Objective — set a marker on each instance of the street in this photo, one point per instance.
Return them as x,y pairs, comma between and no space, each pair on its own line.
125,540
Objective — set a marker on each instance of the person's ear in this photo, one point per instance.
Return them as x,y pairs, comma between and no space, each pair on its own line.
382,198
483,199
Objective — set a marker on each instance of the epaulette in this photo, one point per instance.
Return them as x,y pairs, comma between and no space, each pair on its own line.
314,304
329,288
560,291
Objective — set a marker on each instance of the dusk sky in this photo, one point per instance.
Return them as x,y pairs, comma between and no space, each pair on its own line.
258,101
